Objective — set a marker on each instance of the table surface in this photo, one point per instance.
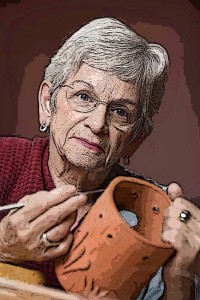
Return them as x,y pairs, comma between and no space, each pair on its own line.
17,290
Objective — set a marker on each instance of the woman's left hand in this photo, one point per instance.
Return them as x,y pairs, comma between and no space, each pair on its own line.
182,229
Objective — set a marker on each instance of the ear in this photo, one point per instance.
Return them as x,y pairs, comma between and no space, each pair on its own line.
44,102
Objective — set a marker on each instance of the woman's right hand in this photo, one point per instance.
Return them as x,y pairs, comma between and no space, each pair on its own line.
52,213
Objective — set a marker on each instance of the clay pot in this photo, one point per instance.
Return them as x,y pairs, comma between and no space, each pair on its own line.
108,253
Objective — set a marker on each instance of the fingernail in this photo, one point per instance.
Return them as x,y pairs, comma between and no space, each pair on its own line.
74,225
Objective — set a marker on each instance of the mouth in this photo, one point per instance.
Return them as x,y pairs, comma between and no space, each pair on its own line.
90,145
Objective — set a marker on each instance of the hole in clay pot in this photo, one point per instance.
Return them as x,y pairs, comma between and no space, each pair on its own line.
156,209
109,236
129,217
100,216
134,195
145,257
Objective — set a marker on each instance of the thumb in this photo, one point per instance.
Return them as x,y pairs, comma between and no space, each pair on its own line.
174,190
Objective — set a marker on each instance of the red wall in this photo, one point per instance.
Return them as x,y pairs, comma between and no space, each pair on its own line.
31,30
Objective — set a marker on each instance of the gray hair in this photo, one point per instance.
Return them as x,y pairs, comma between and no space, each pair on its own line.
110,45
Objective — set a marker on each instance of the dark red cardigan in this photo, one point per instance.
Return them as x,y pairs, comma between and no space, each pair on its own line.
23,171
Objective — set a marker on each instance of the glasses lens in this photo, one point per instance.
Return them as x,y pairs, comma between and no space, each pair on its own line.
82,102
121,116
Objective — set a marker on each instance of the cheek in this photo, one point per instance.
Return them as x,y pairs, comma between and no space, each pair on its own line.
118,141
62,124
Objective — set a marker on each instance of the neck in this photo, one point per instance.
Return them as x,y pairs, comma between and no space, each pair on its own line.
64,173
82,179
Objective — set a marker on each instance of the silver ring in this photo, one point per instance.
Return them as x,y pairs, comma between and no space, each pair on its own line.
185,216
47,243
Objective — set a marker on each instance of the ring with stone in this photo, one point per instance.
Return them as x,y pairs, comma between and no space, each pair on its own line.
185,216
47,243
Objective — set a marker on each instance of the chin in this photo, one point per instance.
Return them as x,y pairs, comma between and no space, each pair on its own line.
86,159
87,163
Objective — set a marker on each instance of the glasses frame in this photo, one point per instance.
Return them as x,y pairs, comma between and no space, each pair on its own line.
97,102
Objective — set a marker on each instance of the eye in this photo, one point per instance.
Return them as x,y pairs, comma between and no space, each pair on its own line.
84,97
82,101
120,112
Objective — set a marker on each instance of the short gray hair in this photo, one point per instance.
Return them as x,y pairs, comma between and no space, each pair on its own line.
110,45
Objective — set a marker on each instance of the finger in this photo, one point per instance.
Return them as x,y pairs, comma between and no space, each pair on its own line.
103,293
62,249
89,284
95,292
181,237
178,206
184,204
194,242
191,227
60,231
179,241
40,202
56,214
170,236
174,190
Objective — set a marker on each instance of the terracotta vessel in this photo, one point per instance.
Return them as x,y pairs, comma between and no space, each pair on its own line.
107,252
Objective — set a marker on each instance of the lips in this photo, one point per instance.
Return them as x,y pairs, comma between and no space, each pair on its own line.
90,144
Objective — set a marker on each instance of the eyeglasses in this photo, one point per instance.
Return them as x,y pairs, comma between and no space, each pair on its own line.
118,114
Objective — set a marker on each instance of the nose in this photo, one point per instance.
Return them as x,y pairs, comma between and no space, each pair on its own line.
97,119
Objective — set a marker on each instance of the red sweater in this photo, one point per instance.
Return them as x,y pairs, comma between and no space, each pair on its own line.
23,171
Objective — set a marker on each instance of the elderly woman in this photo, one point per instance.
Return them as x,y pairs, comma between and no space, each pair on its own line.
99,94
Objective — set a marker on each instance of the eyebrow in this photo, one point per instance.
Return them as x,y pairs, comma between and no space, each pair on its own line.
80,81
127,100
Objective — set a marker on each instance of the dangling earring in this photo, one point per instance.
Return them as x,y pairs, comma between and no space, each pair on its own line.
126,160
43,127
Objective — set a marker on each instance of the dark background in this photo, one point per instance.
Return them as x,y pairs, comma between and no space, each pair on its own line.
30,31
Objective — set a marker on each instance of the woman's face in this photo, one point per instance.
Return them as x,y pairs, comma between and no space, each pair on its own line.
87,140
